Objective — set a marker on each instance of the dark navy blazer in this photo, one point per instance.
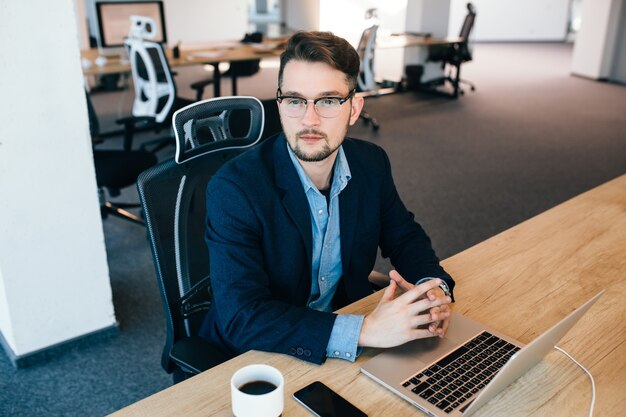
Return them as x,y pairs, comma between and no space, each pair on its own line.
260,244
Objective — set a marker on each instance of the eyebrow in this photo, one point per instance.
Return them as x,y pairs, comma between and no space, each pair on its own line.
332,93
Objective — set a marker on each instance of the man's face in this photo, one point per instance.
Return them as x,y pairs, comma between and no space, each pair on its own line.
311,137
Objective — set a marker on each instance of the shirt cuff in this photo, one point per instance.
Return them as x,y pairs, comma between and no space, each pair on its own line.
344,338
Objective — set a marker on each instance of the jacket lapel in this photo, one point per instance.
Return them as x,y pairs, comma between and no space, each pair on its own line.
292,194
349,209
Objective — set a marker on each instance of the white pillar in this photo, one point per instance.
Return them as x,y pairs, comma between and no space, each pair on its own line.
54,281
427,16
596,40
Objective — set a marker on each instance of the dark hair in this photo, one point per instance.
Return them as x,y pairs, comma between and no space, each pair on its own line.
322,47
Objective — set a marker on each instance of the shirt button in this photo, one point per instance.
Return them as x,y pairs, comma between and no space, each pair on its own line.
336,352
348,354
323,278
320,211
307,352
300,351
292,351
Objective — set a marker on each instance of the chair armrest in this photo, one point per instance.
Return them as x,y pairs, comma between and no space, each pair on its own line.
199,87
133,120
195,355
201,84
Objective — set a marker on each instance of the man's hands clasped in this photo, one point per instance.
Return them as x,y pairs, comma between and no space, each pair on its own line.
420,311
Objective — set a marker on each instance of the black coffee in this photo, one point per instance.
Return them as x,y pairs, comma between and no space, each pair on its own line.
257,387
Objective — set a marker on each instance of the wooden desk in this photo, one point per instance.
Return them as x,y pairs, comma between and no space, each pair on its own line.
520,282
209,53
408,40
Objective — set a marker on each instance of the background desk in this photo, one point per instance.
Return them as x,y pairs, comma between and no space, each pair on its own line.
209,53
520,282
408,40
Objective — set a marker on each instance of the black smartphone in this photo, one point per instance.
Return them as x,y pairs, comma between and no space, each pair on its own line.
324,402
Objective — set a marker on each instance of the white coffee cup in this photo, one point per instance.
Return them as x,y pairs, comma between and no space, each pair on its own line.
257,380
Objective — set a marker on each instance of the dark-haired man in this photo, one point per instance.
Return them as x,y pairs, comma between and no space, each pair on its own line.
293,227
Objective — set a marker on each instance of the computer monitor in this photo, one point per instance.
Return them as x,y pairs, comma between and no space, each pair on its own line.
114,22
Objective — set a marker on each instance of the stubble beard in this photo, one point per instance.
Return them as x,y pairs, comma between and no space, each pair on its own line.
320,155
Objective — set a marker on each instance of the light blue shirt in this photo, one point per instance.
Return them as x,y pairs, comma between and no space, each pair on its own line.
326,258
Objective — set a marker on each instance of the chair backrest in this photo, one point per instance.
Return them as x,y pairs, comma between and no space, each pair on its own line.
366,49
172,194
468,23
465,53
155,89
457,53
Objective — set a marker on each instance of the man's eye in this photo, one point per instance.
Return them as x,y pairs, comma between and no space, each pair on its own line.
295,102
328,102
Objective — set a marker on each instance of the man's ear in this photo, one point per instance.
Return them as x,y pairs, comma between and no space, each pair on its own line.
355,109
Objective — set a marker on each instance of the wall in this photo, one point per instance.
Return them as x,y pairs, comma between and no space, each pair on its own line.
302,14
54,281
194,21
347,19
597,38
513,20
618,72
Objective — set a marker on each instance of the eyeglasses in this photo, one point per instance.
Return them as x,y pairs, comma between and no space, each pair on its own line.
327,107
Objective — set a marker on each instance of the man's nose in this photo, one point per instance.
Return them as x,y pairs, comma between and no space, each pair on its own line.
310,117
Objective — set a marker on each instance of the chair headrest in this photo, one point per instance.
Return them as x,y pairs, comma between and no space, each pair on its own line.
216,124
142,27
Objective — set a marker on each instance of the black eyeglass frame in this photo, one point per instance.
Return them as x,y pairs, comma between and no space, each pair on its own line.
342,100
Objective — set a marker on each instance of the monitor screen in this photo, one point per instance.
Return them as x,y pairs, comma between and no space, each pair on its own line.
114,20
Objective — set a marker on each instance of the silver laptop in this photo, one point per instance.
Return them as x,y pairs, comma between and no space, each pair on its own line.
458,374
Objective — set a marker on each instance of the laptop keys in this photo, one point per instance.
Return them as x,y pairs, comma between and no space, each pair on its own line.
454,379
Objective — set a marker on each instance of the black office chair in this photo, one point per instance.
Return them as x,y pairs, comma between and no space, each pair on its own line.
156,97
172,194
366,81
236,69
115,170
454,56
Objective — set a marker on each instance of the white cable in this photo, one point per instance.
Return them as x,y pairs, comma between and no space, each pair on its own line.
593,383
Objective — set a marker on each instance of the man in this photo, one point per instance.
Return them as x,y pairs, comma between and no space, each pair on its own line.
293,227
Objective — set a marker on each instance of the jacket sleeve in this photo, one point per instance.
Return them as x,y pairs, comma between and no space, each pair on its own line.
250,313
403,240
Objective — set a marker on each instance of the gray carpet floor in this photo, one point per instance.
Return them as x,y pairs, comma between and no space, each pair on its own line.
530,137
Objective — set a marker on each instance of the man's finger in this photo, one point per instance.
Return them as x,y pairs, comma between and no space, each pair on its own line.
390,291
435,293
418,291
398,279
444,326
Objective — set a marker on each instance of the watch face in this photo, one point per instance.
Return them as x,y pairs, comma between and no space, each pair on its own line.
445,288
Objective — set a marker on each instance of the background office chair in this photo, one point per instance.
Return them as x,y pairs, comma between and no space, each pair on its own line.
155,89
172,195
366,48
115,170
454,56
236,69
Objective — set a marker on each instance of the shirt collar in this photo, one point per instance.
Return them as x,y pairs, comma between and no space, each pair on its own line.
341,172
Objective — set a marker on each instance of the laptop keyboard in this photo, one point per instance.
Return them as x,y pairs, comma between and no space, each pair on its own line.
459,376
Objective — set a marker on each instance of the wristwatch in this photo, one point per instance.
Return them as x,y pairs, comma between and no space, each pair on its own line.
445,288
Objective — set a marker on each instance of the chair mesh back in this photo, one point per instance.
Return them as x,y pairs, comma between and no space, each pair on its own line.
155,90
366,48
205,125
468,24
465,54
173,199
